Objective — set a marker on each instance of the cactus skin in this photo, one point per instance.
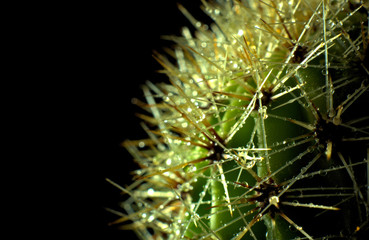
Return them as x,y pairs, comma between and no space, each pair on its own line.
262,132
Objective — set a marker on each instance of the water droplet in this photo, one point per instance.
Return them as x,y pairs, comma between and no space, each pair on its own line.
222,109
186,187
141,144
151,218
150,191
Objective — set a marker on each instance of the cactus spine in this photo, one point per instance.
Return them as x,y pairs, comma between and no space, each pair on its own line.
263,130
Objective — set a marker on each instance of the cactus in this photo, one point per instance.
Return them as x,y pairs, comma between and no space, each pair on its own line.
262,131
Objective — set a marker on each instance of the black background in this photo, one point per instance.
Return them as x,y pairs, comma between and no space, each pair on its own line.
72,70
114,47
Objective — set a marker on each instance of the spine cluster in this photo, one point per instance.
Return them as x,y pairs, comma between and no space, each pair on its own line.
262,131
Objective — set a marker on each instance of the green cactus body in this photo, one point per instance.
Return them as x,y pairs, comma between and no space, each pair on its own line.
263,130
